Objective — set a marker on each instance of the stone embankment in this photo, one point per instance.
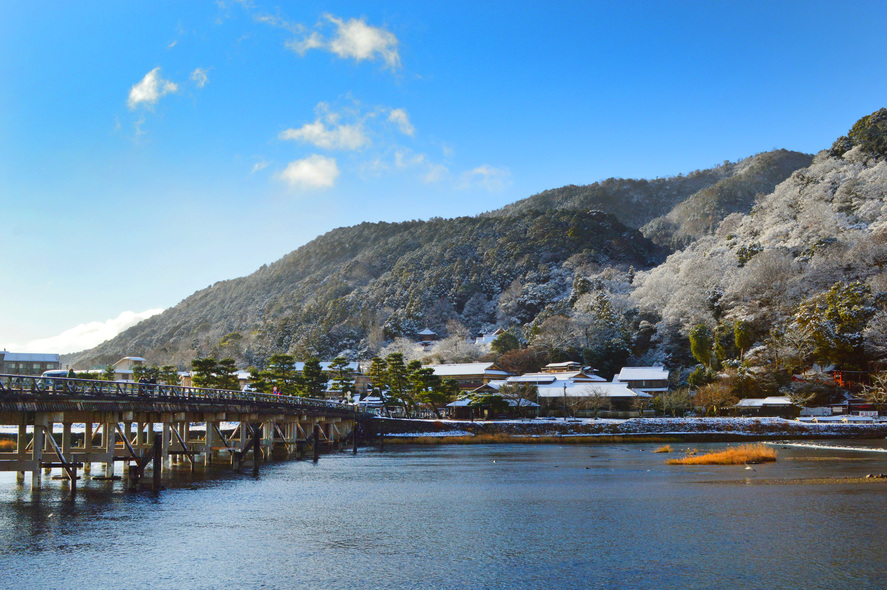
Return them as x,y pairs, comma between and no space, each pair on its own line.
713,429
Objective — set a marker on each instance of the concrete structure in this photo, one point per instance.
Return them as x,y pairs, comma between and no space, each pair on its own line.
27,363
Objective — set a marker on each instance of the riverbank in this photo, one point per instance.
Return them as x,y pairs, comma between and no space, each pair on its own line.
586,431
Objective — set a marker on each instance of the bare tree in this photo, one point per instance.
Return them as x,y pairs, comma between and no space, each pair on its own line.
876,393
523,394
712,398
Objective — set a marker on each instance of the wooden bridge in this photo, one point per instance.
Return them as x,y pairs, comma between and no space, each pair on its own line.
151,426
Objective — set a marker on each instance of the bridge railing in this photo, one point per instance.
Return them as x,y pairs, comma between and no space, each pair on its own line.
65,386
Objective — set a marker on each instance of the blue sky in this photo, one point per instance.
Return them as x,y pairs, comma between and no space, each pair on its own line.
149,149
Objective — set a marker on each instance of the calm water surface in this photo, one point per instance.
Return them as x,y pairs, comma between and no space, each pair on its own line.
497,516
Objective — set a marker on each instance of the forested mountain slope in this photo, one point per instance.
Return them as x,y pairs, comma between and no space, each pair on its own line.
803,271
729,187
703,211
782,264
353,288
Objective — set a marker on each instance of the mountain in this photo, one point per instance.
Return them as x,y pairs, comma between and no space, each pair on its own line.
702,212
803,271
570,270
681,206
353,288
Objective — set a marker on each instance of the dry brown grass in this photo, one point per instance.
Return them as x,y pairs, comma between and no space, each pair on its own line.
663,449
7,445
744,455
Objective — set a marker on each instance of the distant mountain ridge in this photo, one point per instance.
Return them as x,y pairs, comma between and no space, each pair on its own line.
355,288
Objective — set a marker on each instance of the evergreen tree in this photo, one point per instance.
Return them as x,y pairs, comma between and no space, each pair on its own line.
341,376
744,336
398,381
378,374
834,323
313,381
204,372
169,375
701,344
281,373
226,375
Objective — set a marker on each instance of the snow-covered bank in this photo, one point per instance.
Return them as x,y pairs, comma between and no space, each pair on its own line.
643,427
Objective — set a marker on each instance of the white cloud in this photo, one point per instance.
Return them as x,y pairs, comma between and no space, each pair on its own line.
259,166
435,173
360,41
400,118
200,77
312,41
313,172
486,177
430,172
341,137
353,39
88,335
150,89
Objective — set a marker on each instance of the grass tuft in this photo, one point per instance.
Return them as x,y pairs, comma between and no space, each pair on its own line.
663,449
746,454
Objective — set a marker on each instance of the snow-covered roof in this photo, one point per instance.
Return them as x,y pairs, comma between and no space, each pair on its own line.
137,359
532,378
654,373
563,376
427,332
30,357
760,402
570,389
456,369
354,367
564,365
463,403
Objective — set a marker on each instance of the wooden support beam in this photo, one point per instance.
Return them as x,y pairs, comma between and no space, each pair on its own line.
316,441
257,447
158,462
185,449
70,468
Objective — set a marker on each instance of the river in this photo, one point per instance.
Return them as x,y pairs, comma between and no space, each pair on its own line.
474,516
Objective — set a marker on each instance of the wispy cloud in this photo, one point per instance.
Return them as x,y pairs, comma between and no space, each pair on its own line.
400,118
486,177
338,137
353,39
87,335
430,172
311,173
200,77
259,166
150,89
